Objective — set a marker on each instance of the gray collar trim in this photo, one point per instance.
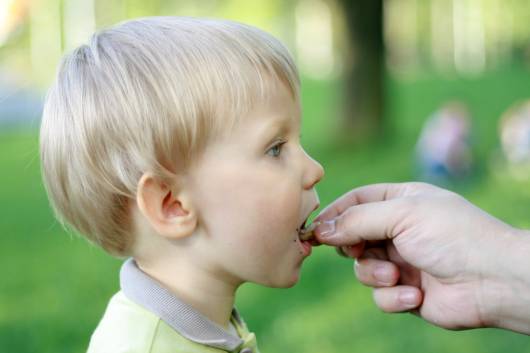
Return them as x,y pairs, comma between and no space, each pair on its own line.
145,291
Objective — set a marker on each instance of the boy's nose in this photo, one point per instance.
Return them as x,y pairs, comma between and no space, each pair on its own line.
314,173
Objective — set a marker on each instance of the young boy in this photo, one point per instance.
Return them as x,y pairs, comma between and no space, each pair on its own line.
175,142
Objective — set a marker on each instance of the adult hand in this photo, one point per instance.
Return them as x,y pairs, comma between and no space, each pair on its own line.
429,251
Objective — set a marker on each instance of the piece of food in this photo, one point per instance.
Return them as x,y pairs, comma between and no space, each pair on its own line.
307,233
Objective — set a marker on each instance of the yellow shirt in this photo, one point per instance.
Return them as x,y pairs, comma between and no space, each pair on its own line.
146,318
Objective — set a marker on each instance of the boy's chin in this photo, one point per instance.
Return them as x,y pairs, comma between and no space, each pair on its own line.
287,281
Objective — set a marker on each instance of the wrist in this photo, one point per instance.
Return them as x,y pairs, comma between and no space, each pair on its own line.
505,286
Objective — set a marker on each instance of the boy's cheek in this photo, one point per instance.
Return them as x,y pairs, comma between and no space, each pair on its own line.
278,203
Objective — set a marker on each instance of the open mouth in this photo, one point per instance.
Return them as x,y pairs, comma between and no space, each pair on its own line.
302,227
306,236
305,232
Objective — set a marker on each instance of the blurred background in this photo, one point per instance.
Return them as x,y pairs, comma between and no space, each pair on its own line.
393,90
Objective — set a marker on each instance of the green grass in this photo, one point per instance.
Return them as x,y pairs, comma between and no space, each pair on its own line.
55,287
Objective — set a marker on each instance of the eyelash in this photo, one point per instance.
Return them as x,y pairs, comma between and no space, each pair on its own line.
278,145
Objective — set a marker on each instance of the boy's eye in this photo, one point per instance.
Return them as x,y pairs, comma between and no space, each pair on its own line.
275,150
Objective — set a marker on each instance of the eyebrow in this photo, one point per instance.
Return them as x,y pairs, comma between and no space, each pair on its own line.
281,124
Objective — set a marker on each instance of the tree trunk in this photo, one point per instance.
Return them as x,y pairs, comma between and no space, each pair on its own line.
364,70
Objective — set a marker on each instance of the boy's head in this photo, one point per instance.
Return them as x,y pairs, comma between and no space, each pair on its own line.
151,134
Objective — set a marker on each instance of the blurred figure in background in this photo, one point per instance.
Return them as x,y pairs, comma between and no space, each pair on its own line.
443,150
514,131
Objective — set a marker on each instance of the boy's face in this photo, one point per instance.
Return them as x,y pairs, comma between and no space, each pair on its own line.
253,189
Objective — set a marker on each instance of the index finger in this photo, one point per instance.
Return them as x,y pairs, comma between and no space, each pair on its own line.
370,193
363,194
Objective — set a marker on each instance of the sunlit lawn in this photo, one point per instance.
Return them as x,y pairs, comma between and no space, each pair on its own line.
55,287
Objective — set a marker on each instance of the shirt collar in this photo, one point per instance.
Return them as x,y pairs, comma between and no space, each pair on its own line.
147,292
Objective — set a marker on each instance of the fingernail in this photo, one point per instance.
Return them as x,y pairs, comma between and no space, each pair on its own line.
382,274
326,229
408,298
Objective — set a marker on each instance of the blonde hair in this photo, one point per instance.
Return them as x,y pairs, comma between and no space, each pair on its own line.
147,95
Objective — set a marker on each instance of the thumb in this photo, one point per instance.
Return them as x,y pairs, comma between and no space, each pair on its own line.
369,221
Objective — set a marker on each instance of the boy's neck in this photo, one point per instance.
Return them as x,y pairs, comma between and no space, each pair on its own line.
203,290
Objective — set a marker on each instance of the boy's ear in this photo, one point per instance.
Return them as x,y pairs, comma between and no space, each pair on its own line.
169,211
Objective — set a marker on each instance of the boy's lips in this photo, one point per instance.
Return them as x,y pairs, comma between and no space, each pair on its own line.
306,248
302,229
305,242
